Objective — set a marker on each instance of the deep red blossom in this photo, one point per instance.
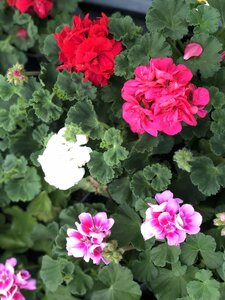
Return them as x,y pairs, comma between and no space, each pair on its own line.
161,97
87,47
41,7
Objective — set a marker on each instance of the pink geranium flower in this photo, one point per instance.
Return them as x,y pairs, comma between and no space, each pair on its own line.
88,240
11,282
161,97
169,220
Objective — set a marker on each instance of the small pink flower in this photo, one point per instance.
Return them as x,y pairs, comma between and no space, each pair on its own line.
169,220
88,240
11,282
192,49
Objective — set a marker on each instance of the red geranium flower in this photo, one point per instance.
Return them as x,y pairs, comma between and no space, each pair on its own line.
88,48
41,7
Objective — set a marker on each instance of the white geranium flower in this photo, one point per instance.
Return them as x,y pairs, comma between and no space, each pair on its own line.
62,160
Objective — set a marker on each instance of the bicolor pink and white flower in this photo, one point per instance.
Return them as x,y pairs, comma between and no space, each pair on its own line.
191,50
88,240
169,220
11,282
161,97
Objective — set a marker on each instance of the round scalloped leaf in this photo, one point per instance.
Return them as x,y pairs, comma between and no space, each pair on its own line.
149,45
206,246
99,169
205,19
204,287
50,273
213,178
168,17
44,107
116,283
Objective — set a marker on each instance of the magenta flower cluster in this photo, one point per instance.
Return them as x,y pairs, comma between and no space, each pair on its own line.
168,219
161,97
11,282
88,241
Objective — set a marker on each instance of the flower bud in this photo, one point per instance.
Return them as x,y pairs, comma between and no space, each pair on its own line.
222,56
16,75
22,33
192,49
112,253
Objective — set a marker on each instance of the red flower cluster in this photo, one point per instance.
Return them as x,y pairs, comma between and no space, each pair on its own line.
41,7
88,48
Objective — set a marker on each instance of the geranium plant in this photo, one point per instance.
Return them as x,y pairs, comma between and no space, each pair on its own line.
112,154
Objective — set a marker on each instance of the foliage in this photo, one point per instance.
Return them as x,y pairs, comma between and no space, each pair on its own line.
125,169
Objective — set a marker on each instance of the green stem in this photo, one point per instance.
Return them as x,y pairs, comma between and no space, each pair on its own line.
32,73
128,248
174,47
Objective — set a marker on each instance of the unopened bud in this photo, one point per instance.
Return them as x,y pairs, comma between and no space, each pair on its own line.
112,253
16,75
22,33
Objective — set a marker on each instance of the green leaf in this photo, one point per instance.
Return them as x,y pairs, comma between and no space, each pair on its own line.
155,177
123,67
85,111
40,133
168,17
217,144
183,157
116,283
205,19
126,217
120,191
71,86
143,268
25,187
50,273
124,29
25,21
217,98
61,293
48,75
7,122
140,185
213,178
50,49
171,284
163,254
99,169
60,241
204,288
17,236
146,143
208,63
159,176
41,207
44,107
218,124
81,283
7,90
220,5
203,244
44,236
149,45
112,140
